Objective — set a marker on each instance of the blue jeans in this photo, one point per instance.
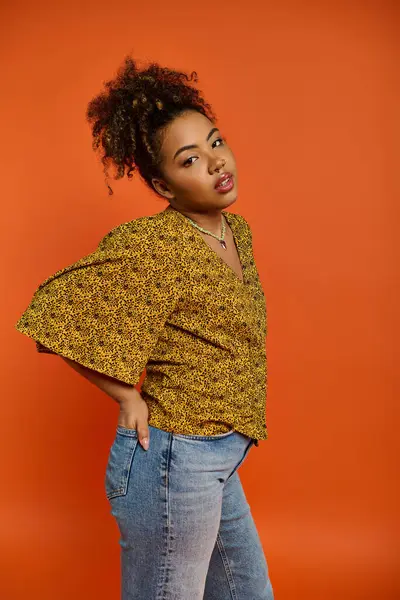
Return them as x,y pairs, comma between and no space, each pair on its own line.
186,530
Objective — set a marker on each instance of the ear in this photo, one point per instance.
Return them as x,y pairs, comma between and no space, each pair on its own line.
162,188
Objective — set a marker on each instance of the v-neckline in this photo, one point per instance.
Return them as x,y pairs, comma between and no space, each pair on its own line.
239,250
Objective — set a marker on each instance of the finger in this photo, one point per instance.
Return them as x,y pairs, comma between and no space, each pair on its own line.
143,434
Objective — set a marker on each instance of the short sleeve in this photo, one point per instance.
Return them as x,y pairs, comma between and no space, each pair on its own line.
105,311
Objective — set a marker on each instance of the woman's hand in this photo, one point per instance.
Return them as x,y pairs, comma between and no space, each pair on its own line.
134,414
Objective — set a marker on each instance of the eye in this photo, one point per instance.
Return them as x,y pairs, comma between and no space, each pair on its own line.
218,140
186,163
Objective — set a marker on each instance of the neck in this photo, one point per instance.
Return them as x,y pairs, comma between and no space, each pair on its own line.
210,220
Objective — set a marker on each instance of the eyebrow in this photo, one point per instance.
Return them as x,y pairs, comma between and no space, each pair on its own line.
213,130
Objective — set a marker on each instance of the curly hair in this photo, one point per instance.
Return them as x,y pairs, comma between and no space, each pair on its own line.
128,118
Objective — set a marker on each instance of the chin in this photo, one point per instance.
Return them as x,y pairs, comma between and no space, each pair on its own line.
228,200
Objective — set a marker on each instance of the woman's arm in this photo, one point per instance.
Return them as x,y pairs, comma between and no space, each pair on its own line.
117,390
134,411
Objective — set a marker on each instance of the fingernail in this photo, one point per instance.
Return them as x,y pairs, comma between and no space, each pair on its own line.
145,443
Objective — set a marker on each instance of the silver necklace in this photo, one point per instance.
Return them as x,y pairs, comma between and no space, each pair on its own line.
219,238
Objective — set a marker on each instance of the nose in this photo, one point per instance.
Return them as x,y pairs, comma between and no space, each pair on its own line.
217,164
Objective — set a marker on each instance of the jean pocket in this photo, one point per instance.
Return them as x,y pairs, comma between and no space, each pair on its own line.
119,462
246,451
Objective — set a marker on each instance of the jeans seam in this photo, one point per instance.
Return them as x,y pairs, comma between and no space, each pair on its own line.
217,436
161,594
227,568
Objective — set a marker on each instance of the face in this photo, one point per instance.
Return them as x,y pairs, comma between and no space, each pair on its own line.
194,154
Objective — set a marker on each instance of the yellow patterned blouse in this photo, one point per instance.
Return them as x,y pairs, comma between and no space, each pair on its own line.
155,295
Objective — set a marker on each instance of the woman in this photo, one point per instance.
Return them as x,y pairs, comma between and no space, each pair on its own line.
177,293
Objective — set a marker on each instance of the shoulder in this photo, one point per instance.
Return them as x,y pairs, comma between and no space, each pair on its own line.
128,235
148,240
132,246
241,223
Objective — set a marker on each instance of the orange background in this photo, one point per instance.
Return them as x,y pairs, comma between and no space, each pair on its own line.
305,92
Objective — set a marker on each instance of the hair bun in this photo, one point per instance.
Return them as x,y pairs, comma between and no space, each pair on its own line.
159,104
127,115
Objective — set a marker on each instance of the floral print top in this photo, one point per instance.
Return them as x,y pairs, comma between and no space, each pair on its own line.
154,295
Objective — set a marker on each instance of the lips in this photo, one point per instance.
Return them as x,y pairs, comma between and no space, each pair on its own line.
223,178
